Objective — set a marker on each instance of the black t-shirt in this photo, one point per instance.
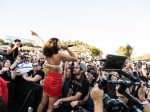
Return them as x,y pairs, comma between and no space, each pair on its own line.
80,85
65,87
12,56
39,72
6,76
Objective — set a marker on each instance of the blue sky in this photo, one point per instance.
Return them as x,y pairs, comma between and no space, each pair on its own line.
107,24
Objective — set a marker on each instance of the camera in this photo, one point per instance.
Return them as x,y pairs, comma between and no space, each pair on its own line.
115,63
113,105
12,45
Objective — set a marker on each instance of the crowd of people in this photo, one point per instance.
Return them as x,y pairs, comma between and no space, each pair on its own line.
72,83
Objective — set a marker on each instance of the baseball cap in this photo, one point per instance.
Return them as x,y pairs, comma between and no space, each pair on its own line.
83,67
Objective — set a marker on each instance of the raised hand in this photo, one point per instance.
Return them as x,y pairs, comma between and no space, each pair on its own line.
34,34
64,47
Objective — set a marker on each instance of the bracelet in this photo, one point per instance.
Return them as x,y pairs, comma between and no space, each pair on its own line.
63,99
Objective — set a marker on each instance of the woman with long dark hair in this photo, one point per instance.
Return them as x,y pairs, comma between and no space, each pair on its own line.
53,81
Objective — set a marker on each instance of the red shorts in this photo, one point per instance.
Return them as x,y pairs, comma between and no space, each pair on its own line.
52,84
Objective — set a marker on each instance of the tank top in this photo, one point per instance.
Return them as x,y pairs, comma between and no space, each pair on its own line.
56,66
12,56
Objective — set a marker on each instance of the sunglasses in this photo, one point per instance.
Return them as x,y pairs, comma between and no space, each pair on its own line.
34,65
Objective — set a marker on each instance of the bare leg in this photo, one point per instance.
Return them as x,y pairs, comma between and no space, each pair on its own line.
51,103
43,103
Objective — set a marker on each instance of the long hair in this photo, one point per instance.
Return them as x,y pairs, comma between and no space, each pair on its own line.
51,47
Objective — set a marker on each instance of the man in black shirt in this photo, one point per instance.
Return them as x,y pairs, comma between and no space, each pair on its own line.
78,88
35,75
13,50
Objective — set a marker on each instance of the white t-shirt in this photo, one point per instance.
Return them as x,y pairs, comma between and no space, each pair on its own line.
24,67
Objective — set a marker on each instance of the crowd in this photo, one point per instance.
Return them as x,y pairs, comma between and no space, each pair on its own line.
72,83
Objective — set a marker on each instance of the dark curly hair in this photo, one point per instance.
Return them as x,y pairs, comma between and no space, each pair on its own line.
51,47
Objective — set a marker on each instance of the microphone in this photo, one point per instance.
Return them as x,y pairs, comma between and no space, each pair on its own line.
71,45
103,60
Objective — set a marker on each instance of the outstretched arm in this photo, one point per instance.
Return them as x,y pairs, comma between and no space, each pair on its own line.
35,34
97,97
